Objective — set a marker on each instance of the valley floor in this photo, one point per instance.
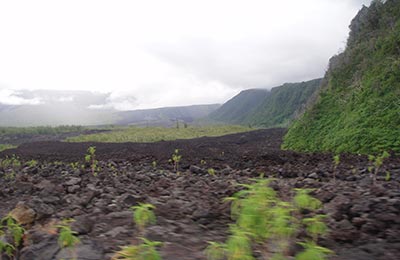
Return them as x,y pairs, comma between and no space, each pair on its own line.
363,218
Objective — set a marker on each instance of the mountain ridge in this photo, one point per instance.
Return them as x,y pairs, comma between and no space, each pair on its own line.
266,108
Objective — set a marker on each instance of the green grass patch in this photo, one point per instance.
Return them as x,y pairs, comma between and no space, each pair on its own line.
6,147
155,134
44,130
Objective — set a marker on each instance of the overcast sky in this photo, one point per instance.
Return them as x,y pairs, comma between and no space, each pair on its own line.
166,53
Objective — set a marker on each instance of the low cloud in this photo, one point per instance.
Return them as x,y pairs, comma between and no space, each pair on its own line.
164,53
15,97
117,100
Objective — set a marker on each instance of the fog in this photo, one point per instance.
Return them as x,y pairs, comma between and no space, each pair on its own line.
145,54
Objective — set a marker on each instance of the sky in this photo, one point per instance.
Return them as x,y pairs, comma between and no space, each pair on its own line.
146,54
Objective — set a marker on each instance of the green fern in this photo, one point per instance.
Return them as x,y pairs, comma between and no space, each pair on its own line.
14,229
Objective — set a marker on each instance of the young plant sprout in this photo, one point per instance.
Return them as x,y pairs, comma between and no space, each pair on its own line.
9,226
336,162
211,171
143,215
90,158
377,162
145,251
68,238
176,158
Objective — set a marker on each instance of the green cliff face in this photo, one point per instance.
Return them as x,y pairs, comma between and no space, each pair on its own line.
263,108
237,109
280,107
358,108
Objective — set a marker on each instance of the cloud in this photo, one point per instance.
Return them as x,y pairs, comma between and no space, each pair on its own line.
13,97
166,53
117,100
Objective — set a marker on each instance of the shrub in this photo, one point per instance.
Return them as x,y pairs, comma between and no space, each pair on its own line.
262,218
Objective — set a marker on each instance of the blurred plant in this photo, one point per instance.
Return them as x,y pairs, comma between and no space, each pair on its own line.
68,238
4,147
31,163
74,165
216,251
263,218
315,226
9,226
336,162
176,158
6,248
143,215
313,252
303,200
145,251
154,164
238,245
387,177
12,162
211,171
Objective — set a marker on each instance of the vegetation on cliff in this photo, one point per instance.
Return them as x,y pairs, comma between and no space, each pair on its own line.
358,109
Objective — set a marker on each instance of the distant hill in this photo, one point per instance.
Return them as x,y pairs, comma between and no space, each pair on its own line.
264,108
51,107
166,116
55,108
282,104
358,108
237,109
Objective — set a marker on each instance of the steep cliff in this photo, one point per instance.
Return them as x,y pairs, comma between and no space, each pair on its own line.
358,108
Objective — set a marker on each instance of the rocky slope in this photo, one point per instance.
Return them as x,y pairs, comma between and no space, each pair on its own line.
189,207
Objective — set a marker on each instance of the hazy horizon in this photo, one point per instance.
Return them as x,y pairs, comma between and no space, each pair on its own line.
139,55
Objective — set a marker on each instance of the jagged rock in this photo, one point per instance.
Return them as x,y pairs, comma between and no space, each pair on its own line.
87,197
23,214
82,224
45,250
50,199
24,187
196,170
115,232
129,199
73,181
73,188
85,251
42,209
